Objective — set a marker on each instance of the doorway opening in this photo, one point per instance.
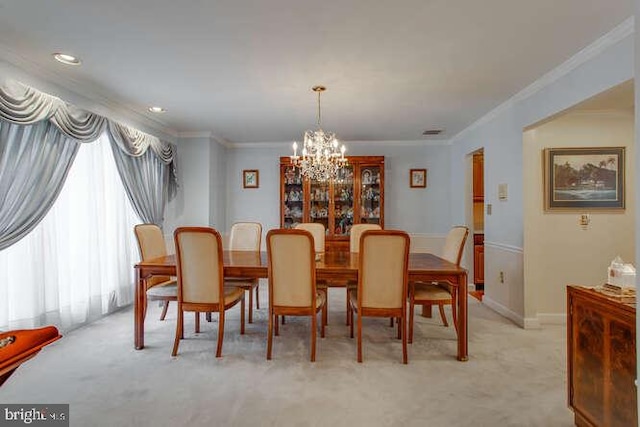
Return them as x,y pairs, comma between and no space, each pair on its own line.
478,223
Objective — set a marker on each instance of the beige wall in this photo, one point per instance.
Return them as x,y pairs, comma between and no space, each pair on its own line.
557,250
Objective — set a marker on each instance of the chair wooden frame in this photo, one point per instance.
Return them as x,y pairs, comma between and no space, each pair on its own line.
221,306
317,230
356,300
452,290
282,310
246,283
156,281
354,246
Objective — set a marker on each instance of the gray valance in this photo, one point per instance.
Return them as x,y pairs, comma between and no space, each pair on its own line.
39,136
24,105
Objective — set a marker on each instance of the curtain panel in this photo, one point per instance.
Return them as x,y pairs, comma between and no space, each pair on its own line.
34,163
39,134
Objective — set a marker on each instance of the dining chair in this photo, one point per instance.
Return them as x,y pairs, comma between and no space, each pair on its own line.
151,245
317,230
354,246
246,236
440,293
292,282
382,282
200,268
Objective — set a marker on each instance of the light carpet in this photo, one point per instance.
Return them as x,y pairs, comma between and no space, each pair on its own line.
514,377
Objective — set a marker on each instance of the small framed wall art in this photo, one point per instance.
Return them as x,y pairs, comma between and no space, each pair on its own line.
417,178
250,178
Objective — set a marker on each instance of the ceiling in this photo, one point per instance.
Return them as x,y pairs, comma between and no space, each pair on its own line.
243,69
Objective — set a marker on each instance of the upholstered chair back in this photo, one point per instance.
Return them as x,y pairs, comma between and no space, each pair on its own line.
356,232
454,244
317,231
383,272
199,264
151,245
150,241
245,236
291,268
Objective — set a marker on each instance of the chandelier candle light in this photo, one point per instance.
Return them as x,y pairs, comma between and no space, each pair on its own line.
321,158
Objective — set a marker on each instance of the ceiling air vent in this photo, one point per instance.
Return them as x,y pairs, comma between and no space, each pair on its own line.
432,132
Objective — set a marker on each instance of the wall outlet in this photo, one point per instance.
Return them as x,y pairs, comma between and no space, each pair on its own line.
584,220
502,277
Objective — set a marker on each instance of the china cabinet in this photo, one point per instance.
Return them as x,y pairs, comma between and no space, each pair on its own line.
355,197
601,353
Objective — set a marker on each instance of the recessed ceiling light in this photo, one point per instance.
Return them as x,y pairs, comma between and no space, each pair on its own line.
157,109
66,59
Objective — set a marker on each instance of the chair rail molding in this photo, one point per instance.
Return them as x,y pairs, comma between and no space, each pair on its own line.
504,247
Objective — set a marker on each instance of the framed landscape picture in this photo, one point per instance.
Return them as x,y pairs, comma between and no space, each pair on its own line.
250,178
584,178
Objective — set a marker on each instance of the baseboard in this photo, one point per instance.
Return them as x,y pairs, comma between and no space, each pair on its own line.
552,318
532,323
504,311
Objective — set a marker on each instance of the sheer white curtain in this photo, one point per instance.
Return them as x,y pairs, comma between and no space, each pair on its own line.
77,264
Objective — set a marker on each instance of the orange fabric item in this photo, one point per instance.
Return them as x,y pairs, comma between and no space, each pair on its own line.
27,342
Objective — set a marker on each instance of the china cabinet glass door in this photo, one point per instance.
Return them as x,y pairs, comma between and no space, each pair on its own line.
319,203
343,202
293,197
370,199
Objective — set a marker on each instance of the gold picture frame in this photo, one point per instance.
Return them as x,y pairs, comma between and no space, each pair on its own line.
418,178
584,178
250,178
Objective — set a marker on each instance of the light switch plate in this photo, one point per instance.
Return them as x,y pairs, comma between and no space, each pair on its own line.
489,207
502,191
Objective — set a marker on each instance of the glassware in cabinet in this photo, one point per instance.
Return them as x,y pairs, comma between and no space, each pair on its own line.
292,198
370,194
319,200
343,191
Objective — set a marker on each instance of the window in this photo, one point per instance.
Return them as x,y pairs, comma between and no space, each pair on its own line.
76,265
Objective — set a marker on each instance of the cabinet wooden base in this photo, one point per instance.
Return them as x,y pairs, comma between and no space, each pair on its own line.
601,353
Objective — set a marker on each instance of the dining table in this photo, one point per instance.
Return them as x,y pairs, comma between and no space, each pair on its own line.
335,266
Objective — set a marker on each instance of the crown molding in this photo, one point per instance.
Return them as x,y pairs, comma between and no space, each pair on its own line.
83,95
247,145
417,143
626,28
409,143
194,134
206,135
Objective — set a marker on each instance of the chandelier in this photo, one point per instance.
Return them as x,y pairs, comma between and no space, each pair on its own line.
321,158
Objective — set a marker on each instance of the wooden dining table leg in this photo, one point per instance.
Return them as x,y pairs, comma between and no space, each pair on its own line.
463,290
138,308
426,310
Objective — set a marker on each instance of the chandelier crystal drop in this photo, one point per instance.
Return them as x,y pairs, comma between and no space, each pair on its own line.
322,156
